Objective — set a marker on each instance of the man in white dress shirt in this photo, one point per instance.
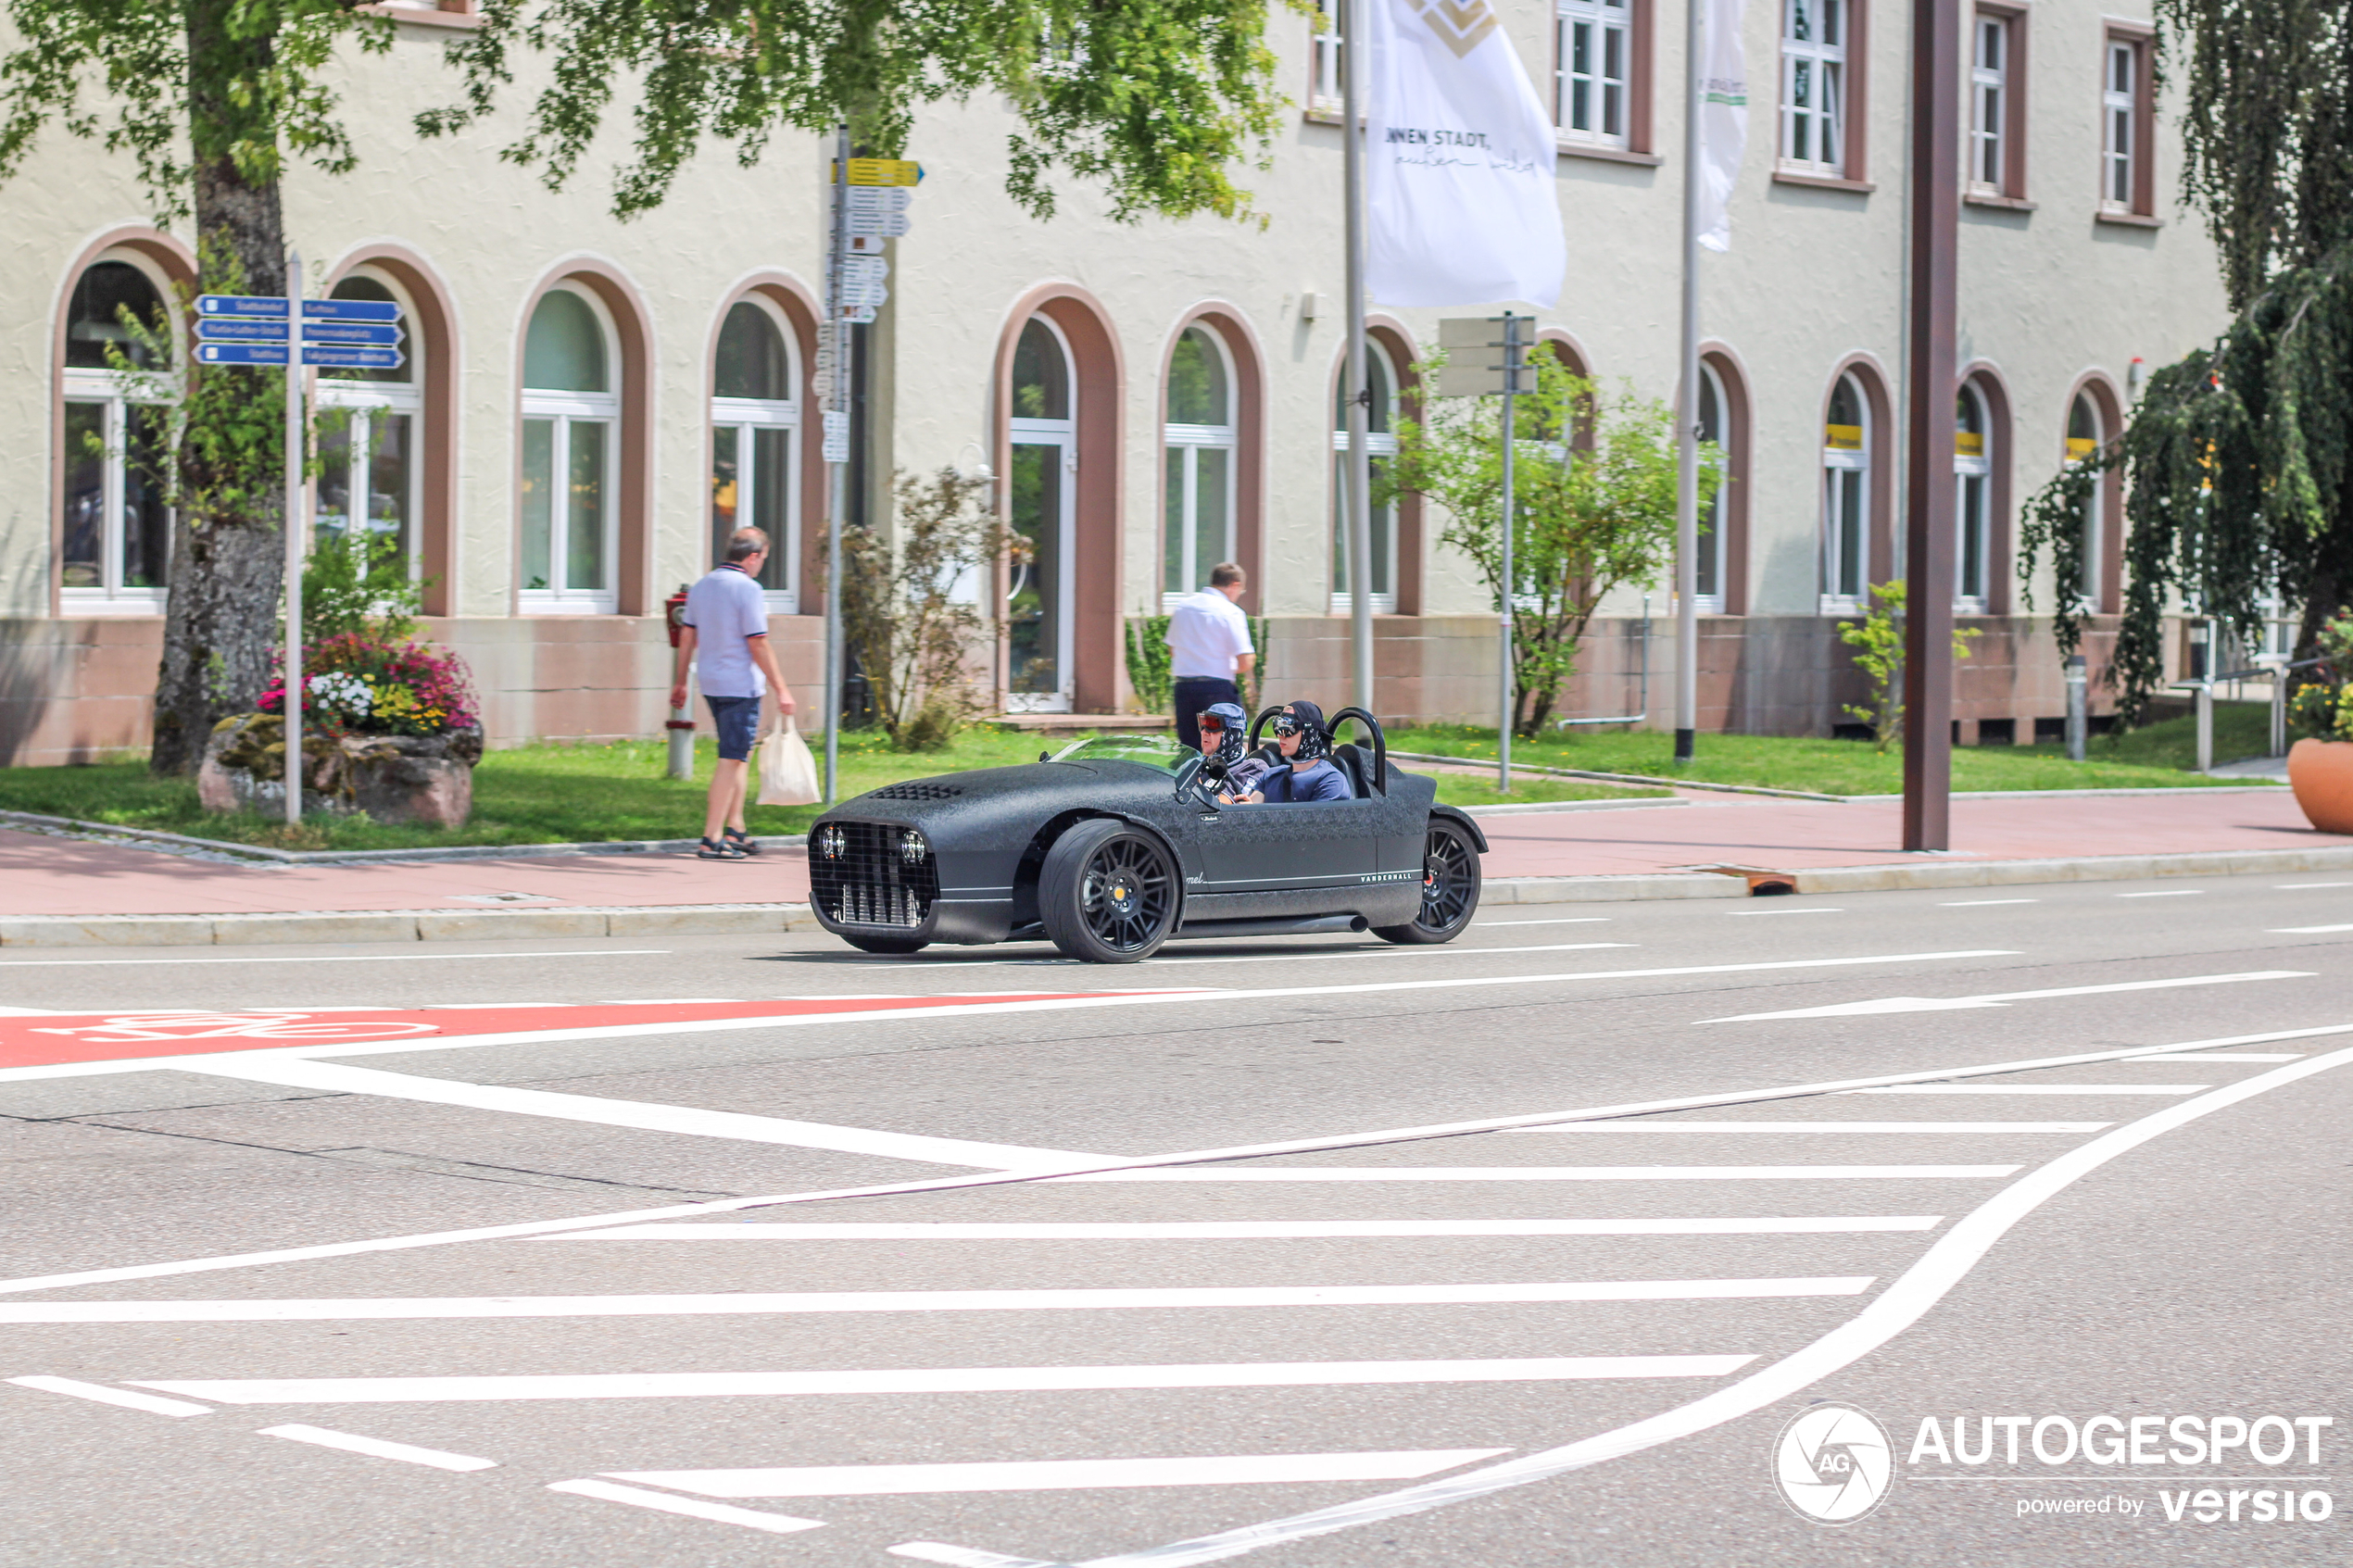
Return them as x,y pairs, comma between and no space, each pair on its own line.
1209,648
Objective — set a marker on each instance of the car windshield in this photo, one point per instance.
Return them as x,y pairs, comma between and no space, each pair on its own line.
1152,751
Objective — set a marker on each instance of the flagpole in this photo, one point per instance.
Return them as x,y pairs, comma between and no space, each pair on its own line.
1687,415
1357,494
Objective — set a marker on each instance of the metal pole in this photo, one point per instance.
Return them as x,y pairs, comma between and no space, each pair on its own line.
297,526
1928,528
1687,422
2078,722
2204,698
1357,493
1508,707
837,488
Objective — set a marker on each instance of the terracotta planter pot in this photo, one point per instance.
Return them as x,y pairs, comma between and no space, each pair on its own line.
2321,771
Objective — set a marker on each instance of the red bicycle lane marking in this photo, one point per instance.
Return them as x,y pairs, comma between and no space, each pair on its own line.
53,1039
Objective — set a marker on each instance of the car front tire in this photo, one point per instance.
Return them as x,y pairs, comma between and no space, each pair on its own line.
1450,887
1108,893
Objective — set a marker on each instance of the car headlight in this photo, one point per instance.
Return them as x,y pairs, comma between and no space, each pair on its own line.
911,847
830,842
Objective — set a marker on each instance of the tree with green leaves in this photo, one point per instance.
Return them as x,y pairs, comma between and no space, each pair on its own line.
1157,101
2239,459
1588,516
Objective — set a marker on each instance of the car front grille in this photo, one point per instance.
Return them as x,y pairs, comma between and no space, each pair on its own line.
869,882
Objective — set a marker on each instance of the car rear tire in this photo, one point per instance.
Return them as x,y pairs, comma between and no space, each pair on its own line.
886,944
1108,893
1450,887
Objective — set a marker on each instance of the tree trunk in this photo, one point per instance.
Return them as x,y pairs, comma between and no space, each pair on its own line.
228,549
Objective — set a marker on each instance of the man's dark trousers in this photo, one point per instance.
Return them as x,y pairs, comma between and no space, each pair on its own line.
1193,694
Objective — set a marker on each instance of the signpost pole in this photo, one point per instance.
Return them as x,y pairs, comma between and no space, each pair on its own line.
295,526
1508,706
837,491
1356,495
1687,415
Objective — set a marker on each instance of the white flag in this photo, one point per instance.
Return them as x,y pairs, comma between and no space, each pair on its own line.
1723,121
1460,207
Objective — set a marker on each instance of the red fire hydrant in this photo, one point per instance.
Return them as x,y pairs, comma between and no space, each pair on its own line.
681,724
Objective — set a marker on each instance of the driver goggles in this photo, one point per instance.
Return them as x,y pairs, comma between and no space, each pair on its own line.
1210,721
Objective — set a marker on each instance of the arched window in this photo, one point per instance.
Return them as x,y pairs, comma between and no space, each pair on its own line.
2084,438
1714,425
1972,503
571,411
368,444
1847,506
1042,493
1380,443
1198,440
755,453
117,533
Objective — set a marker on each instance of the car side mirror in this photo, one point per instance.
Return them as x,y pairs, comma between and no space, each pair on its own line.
1045,756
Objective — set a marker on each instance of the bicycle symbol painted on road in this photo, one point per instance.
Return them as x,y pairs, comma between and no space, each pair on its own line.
290,1026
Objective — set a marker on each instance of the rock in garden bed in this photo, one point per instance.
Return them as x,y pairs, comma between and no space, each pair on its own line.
424,779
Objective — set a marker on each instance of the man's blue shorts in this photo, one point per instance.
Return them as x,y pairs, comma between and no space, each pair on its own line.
738,719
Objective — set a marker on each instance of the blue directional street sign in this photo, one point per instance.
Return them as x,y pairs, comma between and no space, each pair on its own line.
240,305
241,328
353,359
241,353
350,310
351,331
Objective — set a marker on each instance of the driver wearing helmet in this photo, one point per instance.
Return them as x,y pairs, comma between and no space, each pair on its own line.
1305,742
1232,772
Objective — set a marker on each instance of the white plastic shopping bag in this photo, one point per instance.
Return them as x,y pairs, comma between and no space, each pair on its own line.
788,774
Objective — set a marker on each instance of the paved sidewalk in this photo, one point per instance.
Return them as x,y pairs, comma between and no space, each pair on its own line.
40,875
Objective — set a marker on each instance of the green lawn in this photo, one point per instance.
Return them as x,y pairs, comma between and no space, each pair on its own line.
581,794
2154,757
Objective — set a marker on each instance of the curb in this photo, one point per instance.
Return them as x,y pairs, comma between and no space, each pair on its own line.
2083,868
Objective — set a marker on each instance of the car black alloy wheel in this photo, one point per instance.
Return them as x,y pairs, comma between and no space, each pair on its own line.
1450,888
1108,893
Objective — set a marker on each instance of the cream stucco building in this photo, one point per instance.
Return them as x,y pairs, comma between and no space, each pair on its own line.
587,400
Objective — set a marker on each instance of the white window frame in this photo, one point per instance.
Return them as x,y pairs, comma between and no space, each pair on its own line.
1837,460
1606,29
1827,113
1991,50
2120,123
364,401
1378,443
1711,539
745,415
1192,440
1973,521
1062,435
112,390
1325,49
567,409
2087,592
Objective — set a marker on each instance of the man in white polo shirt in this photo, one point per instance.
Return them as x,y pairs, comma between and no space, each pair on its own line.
1209,648
726,639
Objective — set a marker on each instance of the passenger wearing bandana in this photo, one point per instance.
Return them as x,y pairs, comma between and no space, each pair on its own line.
1305,742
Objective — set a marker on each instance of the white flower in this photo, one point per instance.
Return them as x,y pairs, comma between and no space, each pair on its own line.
339,689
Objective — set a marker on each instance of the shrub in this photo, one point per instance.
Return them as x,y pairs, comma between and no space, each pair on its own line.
2322,708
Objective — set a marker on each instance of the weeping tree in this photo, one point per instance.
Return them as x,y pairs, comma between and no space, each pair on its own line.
2239,459
1155,101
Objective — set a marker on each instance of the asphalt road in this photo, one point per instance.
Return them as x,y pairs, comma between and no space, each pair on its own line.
576,1226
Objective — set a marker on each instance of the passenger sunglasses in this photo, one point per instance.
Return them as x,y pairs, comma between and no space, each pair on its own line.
1285,724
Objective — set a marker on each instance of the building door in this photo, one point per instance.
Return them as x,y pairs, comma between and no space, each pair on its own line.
1040,609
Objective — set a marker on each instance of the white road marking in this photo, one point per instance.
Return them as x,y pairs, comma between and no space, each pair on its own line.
153,1404
1983,903
29,1013
963,1556
2035,1090
1971,1128
376,1448
2003,999
1904,1303
2168,893
754,1303
1244,1230
337,1078
1557,1174
1563,920
935,1380
1057,1474
693,1508
2306,930
336,958
2282,886
2224,1055
1827,911
1298,1146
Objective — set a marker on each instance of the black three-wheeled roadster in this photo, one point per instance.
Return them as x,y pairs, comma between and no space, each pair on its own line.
1112,846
